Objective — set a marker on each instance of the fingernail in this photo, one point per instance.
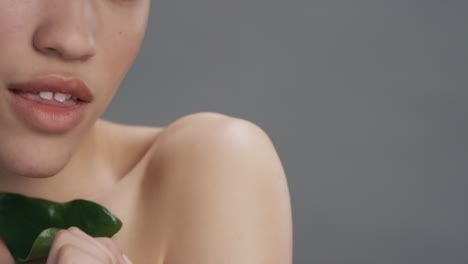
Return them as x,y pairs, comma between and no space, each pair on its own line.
127,260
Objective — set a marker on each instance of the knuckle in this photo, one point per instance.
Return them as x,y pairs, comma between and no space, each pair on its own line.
61,234
74,229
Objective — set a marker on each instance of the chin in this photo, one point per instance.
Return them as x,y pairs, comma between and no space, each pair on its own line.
31,169
32,163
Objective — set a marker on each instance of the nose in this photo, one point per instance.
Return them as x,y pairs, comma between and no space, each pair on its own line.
67,30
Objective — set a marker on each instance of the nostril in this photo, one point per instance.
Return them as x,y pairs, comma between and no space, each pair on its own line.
52,51
47,50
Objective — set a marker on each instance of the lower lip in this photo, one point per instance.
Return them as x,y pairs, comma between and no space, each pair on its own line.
47,118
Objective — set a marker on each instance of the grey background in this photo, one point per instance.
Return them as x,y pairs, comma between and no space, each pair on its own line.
364,100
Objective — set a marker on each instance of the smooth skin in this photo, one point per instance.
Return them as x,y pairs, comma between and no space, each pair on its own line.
208,188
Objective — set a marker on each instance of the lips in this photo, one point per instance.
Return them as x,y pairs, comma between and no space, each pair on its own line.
46,114
57,84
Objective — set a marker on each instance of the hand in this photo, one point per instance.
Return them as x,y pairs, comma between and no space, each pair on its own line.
72,245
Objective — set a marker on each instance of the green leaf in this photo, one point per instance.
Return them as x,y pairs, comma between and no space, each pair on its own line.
42,244
26,222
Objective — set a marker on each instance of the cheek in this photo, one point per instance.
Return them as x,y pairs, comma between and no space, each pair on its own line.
115,56
16,25
18,21
123,34
16,17
122,49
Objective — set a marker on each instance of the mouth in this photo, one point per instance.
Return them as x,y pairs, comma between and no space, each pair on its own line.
51,104
49,98
56,85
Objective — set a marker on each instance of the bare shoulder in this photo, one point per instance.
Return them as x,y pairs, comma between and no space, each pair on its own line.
225,191
210,129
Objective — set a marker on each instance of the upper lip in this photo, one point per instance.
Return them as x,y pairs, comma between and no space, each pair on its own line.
56,83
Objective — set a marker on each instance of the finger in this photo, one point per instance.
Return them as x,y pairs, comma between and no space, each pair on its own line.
103,252
72,254
59,239
112,247
66,239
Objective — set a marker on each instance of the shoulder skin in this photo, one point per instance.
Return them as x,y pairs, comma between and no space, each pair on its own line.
218,183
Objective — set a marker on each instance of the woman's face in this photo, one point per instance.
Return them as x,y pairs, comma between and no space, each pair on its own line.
93,40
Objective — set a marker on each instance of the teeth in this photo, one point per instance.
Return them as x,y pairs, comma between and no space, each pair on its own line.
46,95
57,96
60,97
